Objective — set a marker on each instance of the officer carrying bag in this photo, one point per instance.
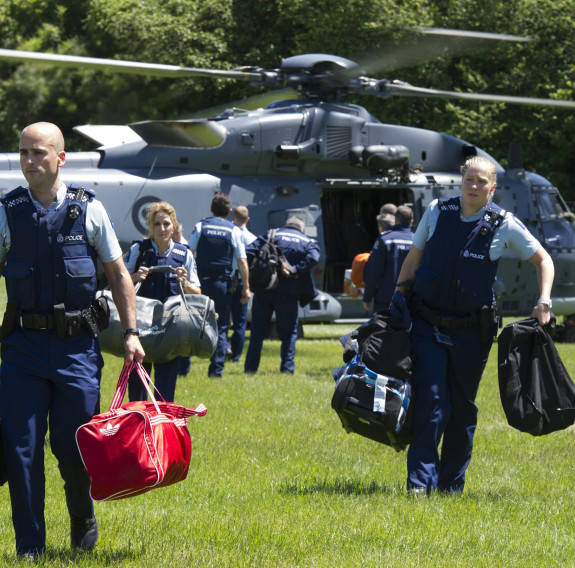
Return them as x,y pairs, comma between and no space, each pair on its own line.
537,393
184,325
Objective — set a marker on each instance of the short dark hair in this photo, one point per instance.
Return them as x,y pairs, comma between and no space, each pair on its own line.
404,215
221,205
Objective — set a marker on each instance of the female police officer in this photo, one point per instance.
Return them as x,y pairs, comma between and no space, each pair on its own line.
451,269
160,250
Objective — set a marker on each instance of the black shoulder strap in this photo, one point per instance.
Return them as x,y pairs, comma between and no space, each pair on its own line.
144,246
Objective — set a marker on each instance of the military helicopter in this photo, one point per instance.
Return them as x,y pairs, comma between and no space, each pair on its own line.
330,162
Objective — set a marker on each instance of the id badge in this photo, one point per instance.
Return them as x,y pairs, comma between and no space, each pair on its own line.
442,338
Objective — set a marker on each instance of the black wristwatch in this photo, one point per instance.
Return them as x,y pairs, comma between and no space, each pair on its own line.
131,331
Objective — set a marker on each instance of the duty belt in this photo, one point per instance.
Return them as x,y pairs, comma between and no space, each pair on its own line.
36,321
447,322
65,323
216,275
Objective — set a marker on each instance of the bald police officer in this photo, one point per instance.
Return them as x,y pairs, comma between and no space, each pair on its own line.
50,239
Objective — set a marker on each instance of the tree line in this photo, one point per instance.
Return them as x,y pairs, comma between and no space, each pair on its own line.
225,34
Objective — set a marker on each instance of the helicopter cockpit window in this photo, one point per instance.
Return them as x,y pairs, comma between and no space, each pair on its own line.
556,220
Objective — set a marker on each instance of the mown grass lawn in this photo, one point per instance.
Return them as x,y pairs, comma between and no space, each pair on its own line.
276,482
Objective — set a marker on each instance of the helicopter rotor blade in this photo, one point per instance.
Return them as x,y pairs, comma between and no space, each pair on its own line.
470,34
399,88
319,75
430,44
129,67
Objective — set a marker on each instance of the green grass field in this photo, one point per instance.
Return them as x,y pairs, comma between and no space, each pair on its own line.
276,482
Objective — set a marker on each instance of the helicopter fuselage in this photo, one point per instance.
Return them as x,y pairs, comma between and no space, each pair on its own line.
331,163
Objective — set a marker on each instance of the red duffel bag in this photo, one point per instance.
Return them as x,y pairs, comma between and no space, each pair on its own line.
138,446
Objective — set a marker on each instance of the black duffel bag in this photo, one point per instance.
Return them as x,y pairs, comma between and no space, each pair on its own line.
537,393
373,406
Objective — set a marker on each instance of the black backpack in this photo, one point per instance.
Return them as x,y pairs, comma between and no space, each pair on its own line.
537,393
266,266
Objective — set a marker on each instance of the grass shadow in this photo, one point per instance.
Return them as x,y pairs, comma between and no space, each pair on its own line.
67,556
338,486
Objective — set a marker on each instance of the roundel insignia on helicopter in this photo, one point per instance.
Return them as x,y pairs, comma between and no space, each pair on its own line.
139,212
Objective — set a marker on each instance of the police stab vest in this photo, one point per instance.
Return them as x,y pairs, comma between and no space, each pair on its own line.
160,285
215,251
457,275
50,260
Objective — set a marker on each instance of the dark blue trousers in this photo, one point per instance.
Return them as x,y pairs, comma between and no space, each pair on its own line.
46,382
239,323
445,383
165,377
285,306
217,290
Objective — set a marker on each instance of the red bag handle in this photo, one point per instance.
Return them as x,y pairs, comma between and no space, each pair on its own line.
177,410
123,385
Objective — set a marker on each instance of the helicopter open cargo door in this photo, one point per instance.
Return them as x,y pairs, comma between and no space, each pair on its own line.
349,213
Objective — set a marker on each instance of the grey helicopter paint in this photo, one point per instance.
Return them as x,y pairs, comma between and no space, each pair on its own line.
332,163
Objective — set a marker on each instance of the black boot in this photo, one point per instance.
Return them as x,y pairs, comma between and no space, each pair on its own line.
83,532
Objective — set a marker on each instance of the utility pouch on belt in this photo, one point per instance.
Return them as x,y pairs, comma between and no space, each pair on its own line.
10,319
66,324
88,320
487,323
97,315
232,284
101,311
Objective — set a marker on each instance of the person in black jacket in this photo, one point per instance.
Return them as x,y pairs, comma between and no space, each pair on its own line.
385,260
302,253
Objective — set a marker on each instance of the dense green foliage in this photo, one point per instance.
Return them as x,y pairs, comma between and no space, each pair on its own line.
223,34
275,482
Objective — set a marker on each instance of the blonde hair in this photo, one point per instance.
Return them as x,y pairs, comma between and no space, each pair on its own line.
481,162
156,207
